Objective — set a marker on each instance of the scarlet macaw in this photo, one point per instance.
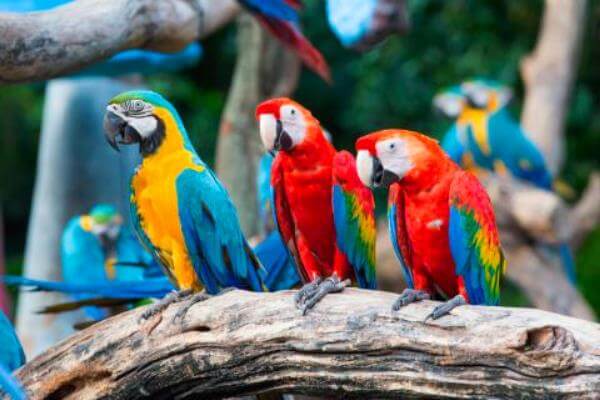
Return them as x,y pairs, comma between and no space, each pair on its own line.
325,216
441,220
181,212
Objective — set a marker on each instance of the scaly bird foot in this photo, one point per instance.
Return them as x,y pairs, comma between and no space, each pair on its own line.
197,298
410,296
163,303
307,291
445,308
329,285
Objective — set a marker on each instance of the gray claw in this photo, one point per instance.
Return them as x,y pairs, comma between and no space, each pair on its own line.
307,291
196,298
445,308
410,296
329,285
163,303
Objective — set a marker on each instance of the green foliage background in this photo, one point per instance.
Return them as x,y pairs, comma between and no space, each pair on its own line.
391,86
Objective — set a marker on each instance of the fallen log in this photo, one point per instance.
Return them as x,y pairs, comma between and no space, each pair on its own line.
350,345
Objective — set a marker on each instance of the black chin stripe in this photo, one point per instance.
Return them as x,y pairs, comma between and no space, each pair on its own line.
150,144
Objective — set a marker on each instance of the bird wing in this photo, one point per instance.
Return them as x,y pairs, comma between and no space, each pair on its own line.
398,232
283,217
280,18
218,250
452,145
354,219
474,240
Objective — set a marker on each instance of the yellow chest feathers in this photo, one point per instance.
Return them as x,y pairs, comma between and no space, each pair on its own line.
155,195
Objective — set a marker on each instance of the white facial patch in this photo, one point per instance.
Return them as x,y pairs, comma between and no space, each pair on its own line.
293,123
364,167
394,156
267,126
450,104
144,125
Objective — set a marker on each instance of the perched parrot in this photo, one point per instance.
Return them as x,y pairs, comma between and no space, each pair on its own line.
324,214
96,248
280,18
362,24
485,136
11,358
441,220
181,212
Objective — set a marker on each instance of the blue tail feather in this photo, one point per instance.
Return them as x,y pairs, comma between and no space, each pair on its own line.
280,270
568,262
10,385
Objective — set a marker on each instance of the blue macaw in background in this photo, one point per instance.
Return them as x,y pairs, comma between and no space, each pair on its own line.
97,248
486,136
361,24
11,358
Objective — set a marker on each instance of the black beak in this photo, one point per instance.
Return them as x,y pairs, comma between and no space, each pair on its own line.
382,177
283,140
117,130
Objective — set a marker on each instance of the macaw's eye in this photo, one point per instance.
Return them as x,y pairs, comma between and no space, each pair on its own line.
138,105
392,146
293,112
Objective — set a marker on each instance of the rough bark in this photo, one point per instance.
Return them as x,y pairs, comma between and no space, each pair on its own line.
264,68
585,216
351,345
549,73
76,169
38,46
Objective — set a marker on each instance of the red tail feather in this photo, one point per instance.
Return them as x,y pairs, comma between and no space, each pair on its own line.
293,38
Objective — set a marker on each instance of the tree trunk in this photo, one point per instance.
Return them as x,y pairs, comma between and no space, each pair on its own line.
76,169
350,346
264,68
549,74
42,45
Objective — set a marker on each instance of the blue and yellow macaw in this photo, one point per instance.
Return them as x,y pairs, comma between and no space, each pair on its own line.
180,210
486,137
96,248
11,358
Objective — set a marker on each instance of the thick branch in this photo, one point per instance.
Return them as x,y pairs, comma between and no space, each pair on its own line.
352,344
549,73
585,216
43,45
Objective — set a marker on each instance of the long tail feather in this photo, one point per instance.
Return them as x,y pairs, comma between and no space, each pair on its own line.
10,385
75,305
568,262
288,34
134,290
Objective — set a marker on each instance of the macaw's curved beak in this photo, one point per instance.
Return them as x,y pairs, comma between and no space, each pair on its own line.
283,140
118,130
371,171
272,134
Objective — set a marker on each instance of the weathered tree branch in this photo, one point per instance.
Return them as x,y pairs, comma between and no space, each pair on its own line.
585,216
264,69
549,73
352,344
38,46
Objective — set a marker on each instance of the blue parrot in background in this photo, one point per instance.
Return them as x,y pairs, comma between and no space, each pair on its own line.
486,136
11,358
361,24
97,248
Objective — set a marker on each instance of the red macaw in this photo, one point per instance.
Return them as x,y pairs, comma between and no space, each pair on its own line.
323,212
441,220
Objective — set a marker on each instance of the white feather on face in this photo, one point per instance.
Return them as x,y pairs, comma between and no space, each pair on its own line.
364,167
394,156
145,126
450,104
293,123
267,126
